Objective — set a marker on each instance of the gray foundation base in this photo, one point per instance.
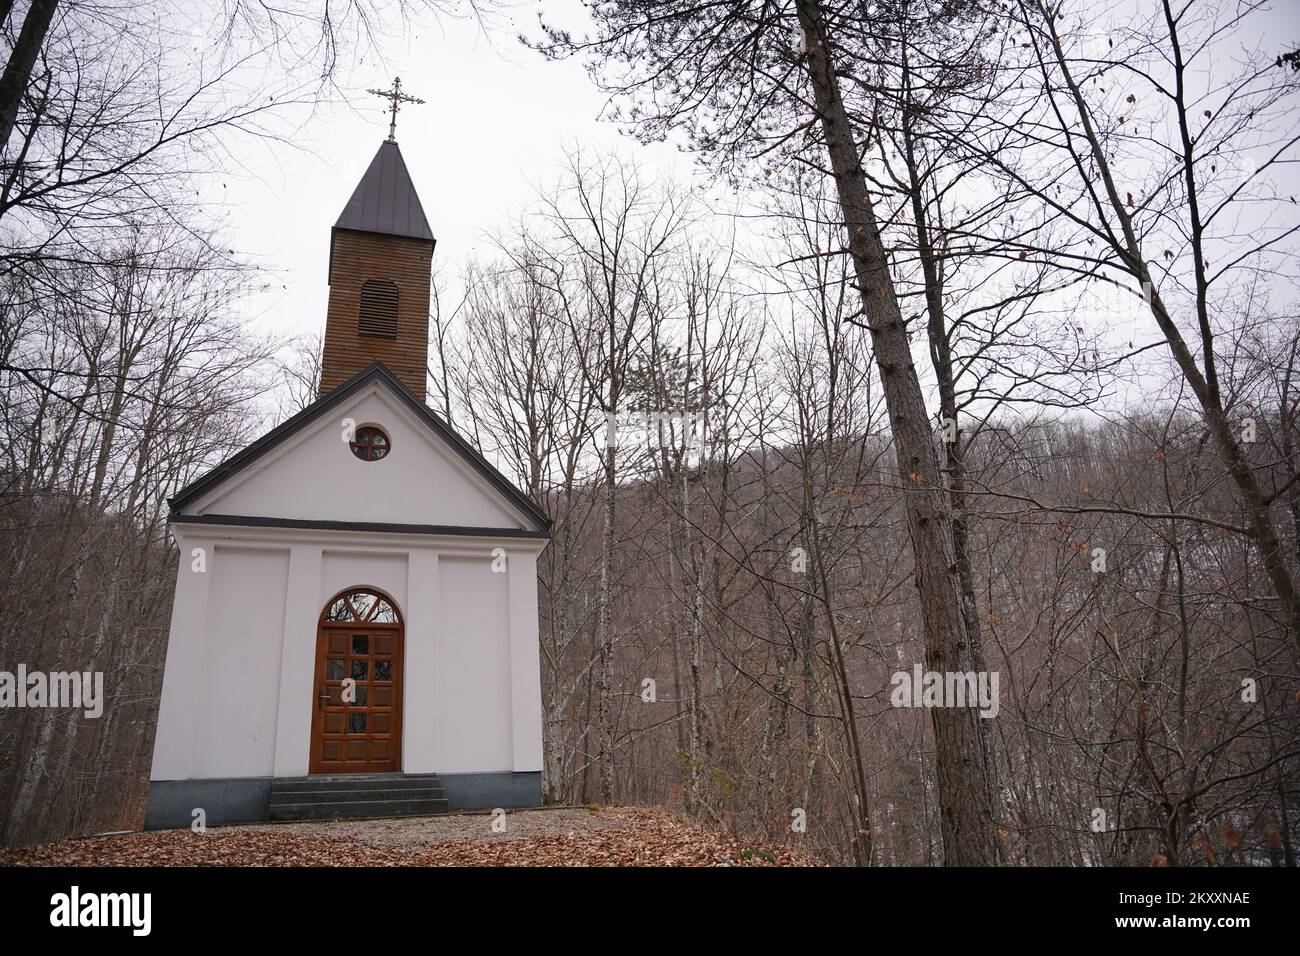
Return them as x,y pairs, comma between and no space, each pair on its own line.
223,800
247,799
487,791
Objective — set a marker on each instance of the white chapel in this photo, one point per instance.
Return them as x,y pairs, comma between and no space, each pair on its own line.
355,628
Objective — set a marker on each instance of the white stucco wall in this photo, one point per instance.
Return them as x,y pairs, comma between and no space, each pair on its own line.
237,691
241,661
475,675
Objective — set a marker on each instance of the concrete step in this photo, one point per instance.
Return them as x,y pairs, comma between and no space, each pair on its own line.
355,782
344,796
351,809
351,796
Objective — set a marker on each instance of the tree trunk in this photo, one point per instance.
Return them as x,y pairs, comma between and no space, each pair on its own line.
606,631
18,71
941,355
965,788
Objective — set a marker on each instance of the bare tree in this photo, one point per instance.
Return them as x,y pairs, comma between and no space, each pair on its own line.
744,86
1171,216
163,380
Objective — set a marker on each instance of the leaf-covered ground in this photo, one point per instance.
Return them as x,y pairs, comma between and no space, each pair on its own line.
611,836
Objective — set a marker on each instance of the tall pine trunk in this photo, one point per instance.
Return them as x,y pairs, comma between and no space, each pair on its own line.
965,787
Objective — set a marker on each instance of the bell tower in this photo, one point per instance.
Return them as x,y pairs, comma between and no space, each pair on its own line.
381,256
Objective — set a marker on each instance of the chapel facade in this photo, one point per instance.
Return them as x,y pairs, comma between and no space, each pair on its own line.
355,625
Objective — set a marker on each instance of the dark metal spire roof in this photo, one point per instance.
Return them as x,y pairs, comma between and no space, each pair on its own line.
385,200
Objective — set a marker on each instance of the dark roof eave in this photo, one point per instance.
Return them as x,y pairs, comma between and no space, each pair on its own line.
383,527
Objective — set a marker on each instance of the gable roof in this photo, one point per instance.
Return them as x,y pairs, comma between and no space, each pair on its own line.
385,200
375,372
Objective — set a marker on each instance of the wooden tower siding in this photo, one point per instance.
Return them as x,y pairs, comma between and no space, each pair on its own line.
382,235
356,257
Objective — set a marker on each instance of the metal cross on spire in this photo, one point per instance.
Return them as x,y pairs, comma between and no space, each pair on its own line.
395,96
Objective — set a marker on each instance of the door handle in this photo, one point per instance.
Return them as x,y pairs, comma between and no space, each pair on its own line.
322,697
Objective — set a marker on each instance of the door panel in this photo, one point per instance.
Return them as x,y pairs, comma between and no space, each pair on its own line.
357,705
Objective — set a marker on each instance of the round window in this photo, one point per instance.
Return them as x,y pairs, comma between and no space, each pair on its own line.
370,443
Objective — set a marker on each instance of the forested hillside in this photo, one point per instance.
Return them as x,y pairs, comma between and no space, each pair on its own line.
970,347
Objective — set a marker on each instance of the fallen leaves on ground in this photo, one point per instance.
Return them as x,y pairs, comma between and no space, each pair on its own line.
614,836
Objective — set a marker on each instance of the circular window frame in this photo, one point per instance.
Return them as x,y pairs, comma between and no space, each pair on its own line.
364,450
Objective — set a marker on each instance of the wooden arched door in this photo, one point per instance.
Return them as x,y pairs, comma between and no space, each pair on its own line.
356,722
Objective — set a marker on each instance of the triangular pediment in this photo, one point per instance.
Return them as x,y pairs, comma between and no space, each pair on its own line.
305,470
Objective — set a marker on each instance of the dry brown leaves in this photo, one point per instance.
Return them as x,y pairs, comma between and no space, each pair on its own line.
617,836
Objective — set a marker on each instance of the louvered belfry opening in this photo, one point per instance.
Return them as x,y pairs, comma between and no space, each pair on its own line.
381,256
378,313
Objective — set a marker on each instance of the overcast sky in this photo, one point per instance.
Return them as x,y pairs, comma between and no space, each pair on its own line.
495,122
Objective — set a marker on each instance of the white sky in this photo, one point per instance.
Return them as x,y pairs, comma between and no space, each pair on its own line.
497,119
495,123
